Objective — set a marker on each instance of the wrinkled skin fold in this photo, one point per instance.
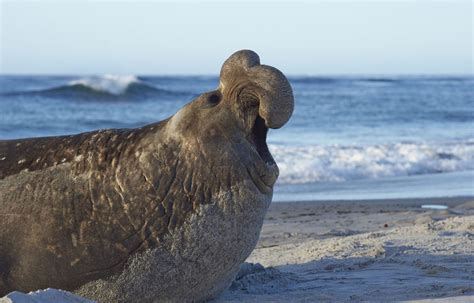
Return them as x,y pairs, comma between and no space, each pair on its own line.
166,212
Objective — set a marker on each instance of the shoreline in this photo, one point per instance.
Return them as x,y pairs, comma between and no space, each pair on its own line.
448,199
429,185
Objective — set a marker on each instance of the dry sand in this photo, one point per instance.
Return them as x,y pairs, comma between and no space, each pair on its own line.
388,250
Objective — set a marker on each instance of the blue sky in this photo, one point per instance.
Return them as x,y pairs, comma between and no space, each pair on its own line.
316,38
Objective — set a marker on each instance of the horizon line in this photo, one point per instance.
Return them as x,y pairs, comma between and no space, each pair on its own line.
420,74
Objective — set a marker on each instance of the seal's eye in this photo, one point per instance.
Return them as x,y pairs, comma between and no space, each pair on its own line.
213,99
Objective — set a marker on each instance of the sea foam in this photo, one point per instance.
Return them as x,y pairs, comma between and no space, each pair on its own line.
338,163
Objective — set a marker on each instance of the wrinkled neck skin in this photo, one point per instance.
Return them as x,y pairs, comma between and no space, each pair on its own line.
178,173
203,210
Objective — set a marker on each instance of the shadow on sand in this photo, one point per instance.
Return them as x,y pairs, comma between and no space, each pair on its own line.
398,275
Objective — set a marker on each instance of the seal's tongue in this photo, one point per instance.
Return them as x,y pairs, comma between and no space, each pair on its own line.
243,73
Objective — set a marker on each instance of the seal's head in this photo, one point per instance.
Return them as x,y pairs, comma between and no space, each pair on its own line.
250,99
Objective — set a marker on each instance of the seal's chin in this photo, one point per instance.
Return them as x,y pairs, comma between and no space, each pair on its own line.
266,172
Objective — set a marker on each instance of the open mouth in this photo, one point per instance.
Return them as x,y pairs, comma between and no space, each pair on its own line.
259,140
265,175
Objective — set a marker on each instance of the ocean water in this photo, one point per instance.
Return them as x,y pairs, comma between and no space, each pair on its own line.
364,137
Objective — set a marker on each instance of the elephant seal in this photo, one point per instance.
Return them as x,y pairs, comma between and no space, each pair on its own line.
166,212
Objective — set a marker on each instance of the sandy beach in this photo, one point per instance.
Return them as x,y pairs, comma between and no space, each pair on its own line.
384,250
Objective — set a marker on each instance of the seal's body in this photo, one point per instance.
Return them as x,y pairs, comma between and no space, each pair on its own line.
166,212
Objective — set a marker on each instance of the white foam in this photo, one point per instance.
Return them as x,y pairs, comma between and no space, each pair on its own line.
304,164
113,84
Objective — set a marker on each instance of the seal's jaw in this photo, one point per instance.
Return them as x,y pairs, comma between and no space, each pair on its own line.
264,170
258,138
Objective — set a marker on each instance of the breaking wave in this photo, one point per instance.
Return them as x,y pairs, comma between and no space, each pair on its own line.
111,84
102,87
336,163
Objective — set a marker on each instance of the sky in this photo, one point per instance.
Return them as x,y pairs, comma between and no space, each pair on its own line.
300,38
